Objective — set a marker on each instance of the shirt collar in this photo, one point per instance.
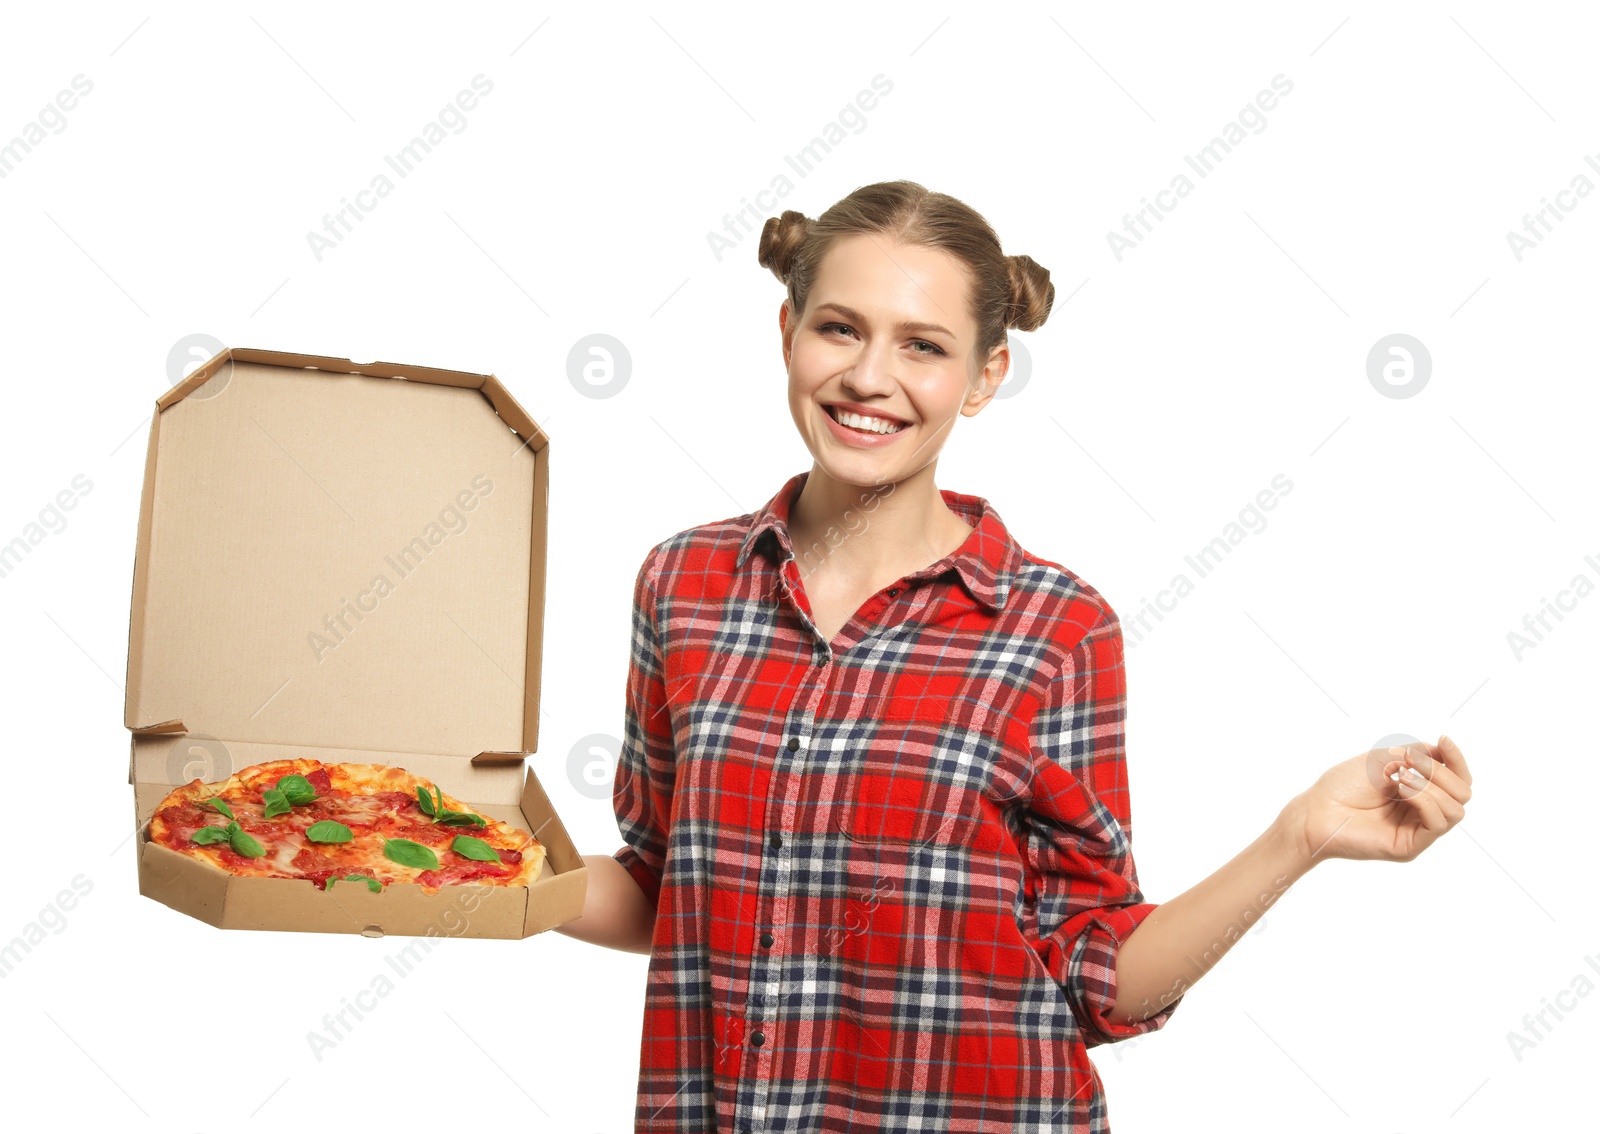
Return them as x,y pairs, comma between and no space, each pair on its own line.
985,563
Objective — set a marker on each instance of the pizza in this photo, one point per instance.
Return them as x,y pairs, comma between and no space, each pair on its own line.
366,824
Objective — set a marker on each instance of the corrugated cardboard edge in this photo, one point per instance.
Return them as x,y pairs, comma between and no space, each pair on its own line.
149,730
182,882
534,437
141,571
490,759
564,891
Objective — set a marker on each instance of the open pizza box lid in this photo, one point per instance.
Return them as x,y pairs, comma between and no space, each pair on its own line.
344,561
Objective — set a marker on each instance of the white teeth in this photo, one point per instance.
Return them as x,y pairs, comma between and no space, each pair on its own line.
860,421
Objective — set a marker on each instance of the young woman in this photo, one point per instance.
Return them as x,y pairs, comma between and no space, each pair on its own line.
872,782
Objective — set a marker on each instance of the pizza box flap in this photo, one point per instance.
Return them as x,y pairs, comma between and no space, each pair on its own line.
340,555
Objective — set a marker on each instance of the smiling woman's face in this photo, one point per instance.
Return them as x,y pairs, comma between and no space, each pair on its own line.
888,329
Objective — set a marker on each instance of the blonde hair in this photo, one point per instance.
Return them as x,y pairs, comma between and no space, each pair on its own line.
1007,291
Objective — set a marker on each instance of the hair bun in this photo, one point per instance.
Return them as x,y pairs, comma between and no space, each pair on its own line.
1032,293
781,238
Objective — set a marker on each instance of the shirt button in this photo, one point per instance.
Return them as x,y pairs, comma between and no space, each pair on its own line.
766,940
794,743
758,1038
893,591
776,841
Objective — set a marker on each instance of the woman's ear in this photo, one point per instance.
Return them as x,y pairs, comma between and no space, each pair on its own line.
786,333
984,386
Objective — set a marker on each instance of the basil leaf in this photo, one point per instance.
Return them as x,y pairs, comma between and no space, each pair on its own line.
409,853
219,804
243,843
297,789
277,803
205,836
424,802
372,883
438,801
461,819
329,831
468,847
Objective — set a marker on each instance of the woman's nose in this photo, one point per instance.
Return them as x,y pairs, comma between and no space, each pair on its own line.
874,369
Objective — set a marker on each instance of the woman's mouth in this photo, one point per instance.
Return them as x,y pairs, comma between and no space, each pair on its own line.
859,431
863,423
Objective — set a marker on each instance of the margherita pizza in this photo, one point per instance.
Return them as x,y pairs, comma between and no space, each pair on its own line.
355,823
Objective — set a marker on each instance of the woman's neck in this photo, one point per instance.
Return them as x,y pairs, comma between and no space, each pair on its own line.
855,533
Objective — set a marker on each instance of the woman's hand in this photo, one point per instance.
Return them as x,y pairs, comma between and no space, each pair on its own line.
1355,810
616,913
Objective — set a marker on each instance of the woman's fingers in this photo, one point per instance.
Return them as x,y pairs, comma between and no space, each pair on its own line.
1436,769
1449,754
1435,808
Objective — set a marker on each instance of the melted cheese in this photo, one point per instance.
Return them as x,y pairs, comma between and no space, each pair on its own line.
282,849
362,809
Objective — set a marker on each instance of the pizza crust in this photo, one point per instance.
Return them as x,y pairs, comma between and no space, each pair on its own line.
283,838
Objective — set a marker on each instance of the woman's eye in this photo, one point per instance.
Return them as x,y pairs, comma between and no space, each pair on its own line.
934,348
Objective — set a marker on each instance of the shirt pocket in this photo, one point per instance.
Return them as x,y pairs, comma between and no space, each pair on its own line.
915,846
910,791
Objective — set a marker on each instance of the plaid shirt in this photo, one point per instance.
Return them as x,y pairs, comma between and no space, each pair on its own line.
890,871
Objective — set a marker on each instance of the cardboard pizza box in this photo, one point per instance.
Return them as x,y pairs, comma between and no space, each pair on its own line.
344,561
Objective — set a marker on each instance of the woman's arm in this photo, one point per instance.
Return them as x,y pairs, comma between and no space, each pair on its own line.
616,913
1353,811
1181,939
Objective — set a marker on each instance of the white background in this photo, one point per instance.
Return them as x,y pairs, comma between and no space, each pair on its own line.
1167,389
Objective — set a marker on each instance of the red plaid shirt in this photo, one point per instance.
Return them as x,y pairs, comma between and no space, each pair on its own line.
891,871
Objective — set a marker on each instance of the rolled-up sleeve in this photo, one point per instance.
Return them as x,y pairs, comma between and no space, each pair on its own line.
1078,854
642,788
